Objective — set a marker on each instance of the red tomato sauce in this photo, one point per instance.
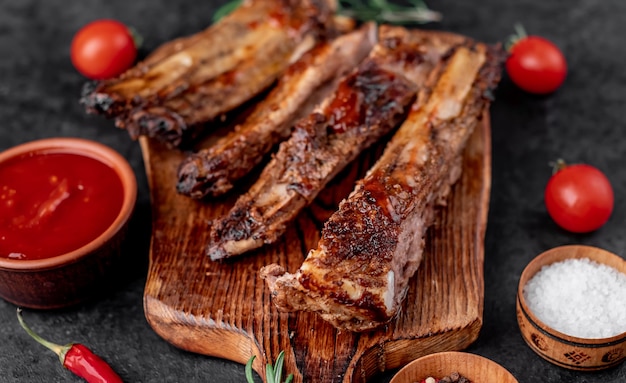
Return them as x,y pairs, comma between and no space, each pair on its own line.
52,203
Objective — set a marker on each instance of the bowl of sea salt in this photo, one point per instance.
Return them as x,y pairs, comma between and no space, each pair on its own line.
571,307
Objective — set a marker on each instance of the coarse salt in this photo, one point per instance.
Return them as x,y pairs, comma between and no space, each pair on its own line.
579,297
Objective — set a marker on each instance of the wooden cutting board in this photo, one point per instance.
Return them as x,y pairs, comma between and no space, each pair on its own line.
225,310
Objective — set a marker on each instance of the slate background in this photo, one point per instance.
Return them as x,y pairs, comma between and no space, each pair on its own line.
582,122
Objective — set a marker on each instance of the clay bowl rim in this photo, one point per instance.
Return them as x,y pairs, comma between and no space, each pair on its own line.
474,358
97,151
557,254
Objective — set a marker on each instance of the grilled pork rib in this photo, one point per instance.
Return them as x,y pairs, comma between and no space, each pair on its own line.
213,171
192,80
367,104
358,275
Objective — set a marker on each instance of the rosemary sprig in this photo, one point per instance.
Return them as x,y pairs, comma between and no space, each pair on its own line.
273,374
381,11
226,9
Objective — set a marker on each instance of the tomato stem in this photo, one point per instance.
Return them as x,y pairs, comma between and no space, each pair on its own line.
137,38
558,165
520,33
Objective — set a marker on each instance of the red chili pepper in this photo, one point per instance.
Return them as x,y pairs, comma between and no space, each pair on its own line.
77,358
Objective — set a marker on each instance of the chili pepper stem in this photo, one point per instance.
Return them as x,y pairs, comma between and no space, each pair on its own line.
60,350
77,358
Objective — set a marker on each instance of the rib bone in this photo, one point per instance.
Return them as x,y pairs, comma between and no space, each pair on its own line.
192,80
367,104
358,275
213,171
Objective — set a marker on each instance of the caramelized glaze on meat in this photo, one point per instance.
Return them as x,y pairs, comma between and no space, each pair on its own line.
367,104
214,170
358,275
190,81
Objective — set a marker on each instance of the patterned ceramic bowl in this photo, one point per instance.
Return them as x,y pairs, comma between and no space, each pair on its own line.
576,353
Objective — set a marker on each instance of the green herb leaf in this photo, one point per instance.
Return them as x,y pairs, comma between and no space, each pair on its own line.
249,377
269,373
384,11
226,9
278,369
381,11
273,373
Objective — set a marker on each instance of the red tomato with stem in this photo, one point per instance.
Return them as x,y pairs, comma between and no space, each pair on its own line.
103,49
535,64
579,198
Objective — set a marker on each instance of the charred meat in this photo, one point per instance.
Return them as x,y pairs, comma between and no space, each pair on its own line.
358,275
214,170
367,104
192,80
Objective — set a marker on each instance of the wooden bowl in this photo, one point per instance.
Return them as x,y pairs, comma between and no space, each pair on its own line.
476,368
77,274
567,351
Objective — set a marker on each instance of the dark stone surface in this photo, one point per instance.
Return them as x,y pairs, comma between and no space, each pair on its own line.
582,122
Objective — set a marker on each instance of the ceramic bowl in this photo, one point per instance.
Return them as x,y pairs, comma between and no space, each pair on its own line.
556,347
474,367
73,276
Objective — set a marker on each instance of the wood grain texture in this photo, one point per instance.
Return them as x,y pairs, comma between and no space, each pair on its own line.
225,310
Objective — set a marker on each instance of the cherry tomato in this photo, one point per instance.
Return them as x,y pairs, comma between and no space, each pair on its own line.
103,49
579,198
536,65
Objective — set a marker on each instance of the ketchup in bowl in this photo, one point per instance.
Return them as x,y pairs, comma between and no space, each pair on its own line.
53,202
65,209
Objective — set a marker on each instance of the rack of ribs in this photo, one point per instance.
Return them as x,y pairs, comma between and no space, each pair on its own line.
214,170
358,275
190,81
367,104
